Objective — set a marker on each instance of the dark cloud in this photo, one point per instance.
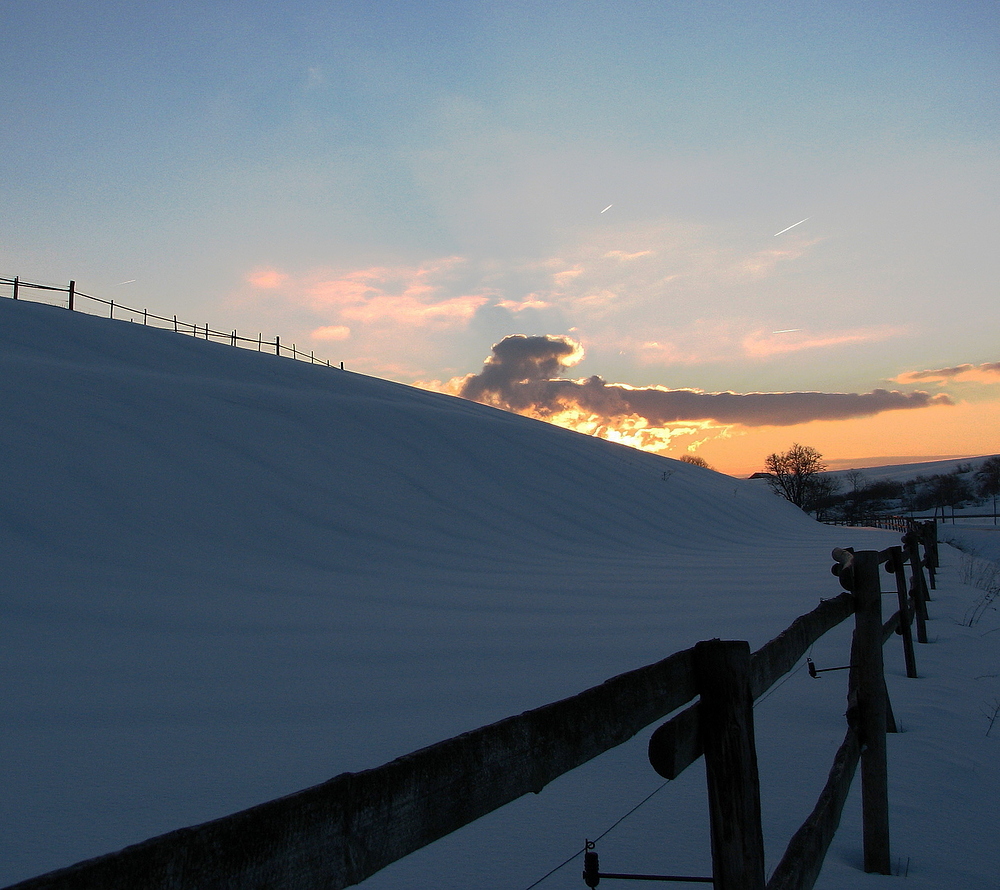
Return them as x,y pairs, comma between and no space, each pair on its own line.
517,364
522,376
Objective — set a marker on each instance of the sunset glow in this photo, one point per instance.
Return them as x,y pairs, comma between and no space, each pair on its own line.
787,221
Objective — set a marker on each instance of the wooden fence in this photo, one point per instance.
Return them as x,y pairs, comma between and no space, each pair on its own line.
338,833
232,338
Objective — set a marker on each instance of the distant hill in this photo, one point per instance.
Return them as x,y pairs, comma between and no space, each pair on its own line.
903,472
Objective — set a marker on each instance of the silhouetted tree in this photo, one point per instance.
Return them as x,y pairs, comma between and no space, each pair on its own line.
948,490
793,473
821,495
695,460
855,498
988,480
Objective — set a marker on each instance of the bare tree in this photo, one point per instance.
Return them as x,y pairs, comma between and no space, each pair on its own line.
793,473
821,495
695,460
988,481
856,479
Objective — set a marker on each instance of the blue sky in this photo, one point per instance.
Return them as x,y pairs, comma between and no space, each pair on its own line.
402,186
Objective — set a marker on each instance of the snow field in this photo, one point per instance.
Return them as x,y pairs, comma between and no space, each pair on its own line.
229,576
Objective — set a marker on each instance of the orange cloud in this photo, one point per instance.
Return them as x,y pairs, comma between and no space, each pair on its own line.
714,340
764,262
988,372
529,302
406,296
331,332
266,278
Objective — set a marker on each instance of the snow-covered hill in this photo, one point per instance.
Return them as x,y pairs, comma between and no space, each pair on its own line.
228,576
908,471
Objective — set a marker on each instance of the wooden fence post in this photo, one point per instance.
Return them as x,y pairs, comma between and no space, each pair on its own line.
928,537
896,558
920,594
72,293
867,701
722,673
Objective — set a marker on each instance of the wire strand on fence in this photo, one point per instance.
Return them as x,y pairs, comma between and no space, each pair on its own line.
604,834
579,852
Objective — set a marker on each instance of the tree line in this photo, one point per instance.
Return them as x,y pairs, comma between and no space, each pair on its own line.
800,476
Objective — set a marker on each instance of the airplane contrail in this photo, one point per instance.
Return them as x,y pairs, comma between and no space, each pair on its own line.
608,207
792,226
787,330
120,283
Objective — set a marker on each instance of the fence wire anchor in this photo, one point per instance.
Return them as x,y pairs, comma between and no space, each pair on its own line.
814,671
592,873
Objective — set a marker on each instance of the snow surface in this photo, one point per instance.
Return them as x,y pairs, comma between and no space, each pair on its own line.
229,576
906,472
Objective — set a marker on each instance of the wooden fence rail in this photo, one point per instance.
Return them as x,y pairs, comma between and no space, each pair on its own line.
203,331
800,866
340,832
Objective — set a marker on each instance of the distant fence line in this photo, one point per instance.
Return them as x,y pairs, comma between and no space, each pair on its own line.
338,833
895,523
180,327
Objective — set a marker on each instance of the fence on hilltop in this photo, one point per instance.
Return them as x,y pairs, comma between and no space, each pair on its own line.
338,833
205,331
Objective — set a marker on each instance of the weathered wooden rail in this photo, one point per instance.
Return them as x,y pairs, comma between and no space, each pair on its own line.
201,331
342,831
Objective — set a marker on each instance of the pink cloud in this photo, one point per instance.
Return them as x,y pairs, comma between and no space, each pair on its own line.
763,344
625,257
266,278
988,372
530,302
332,332
407,296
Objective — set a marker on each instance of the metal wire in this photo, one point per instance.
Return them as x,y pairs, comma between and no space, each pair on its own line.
603,834
582,850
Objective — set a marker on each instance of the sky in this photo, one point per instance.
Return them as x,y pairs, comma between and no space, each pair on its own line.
696,228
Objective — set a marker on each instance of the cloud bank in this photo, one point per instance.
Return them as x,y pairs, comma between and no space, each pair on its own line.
522,376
